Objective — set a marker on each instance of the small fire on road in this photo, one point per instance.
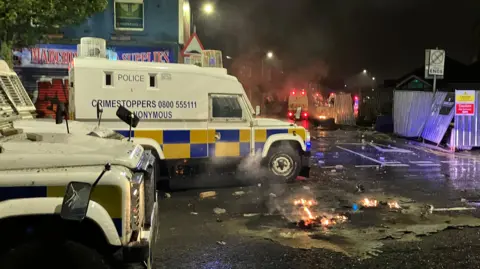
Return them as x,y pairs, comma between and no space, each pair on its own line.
309,218
369,202
372,203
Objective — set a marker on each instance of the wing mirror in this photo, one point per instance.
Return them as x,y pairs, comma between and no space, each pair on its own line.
127,116
76,201
77,198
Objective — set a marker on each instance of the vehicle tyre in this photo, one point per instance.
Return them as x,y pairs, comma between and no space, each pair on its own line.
284,163
38,254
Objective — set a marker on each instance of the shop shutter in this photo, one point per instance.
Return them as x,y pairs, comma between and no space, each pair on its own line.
49,96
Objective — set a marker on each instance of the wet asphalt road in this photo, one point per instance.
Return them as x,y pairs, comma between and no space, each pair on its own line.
193,236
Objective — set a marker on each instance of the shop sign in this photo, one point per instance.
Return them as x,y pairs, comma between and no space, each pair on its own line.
59,56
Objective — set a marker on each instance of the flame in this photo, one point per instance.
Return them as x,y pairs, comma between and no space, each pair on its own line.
393,204
304,202
310,218
369,203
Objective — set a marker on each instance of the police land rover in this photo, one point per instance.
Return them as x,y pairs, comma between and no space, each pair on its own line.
108,213
195,113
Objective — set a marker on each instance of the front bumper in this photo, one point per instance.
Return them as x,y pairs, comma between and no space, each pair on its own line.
306,164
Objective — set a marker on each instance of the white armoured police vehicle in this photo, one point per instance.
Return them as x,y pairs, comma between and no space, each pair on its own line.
73,199
195,113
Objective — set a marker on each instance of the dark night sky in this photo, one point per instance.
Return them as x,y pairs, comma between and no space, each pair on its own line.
387,37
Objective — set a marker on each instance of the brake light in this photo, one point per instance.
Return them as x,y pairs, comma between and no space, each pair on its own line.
290,114
305,114
356,97
303,92
292,93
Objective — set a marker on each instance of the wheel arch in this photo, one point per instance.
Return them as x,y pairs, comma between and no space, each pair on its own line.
276,140
22,208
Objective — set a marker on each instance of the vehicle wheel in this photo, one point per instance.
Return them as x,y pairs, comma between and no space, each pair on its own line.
38,254
284,163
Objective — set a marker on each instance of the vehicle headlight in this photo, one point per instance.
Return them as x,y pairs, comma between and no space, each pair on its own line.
137,207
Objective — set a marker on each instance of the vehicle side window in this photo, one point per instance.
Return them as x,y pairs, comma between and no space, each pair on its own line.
226,107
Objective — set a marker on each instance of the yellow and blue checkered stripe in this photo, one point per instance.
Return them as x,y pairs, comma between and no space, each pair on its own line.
110,197
201,143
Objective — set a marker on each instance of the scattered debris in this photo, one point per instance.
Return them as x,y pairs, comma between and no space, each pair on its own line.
306,187
339,167
251,215
219,220
238,193
273,195
194,213
167,195
219,211
207,194
333,171
222,243
431,209
360,188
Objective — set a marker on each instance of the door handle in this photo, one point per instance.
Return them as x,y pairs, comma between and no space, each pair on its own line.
218,136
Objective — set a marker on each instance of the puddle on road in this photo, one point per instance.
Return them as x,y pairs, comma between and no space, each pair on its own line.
362,237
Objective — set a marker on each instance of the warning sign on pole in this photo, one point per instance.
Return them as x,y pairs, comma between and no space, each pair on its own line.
464,103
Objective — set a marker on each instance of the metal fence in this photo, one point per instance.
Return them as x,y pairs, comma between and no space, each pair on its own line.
411,110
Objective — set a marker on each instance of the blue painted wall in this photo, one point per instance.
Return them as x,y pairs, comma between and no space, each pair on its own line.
160,26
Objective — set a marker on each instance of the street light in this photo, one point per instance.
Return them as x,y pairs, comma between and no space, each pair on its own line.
364,71
208,8
269,57
373,78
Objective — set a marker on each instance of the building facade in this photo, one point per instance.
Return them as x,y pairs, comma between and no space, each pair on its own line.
135,30
261,77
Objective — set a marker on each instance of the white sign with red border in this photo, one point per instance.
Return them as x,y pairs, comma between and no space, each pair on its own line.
193,46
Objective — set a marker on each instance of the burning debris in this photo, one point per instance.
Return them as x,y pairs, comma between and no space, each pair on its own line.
310,219
393,205
372,203
369,203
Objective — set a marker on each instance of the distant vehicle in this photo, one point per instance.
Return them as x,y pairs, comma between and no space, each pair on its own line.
336,108
296,99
